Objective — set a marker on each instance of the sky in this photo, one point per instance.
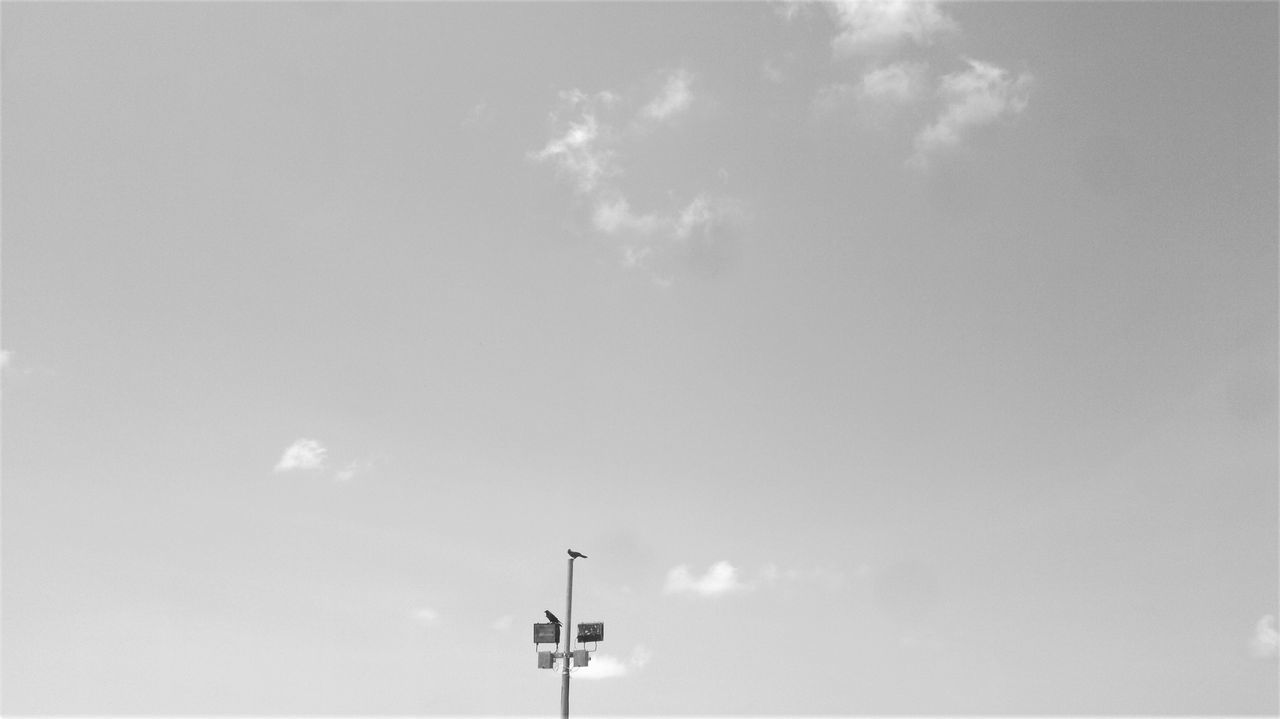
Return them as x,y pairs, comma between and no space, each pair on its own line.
882,358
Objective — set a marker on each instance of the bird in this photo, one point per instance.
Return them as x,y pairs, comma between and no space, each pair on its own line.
577,555
552,617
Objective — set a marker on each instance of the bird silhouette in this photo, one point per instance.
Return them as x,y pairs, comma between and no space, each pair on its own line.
577,555
552,617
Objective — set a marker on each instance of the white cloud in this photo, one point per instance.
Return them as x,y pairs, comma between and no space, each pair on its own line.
606,666
721,578
599,129
602,666
703,214
876,27
897,83
832,98
503,623
674,98
425,616
980,95
479,114
581,152
354,469
303,454
790,9
770,71
1265,643
773,575
613,215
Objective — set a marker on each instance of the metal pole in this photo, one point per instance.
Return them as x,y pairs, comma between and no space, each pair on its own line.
568,648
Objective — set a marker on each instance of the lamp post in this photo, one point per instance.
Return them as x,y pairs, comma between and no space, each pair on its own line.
568,638
590,633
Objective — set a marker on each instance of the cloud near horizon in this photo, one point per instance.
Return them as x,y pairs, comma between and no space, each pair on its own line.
607,666
303,454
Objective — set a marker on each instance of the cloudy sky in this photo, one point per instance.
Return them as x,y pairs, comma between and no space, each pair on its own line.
883,358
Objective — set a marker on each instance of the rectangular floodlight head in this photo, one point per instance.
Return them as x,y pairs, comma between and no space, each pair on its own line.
591,632
546,633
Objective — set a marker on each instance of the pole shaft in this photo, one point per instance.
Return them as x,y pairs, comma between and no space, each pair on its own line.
568,647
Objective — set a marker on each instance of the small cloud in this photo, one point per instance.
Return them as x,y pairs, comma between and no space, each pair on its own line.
789,10
303,454
14,369
602,666
703,214
596,130
479,114
771,575
1265,643
606,666
613,215
640,656
770,71
981,95
832,98
354,469
721,578
580,152
877,27
674,98
897,83
426,616
503,623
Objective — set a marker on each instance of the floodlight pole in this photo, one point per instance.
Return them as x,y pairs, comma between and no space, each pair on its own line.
568,648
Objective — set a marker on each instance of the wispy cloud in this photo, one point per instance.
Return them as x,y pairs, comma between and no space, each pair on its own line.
674,98
425,616
877,27
613,215
881,41
773,575
702,215
979,95
12,367
720,579
790,9
1265,643
595,130
480,114
303,454
606,666
581,152
897,83
355,468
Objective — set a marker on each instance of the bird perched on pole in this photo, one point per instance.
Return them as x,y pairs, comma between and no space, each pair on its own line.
577,555
552,618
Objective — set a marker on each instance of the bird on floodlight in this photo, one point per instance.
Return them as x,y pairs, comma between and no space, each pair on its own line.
577,555
552,617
